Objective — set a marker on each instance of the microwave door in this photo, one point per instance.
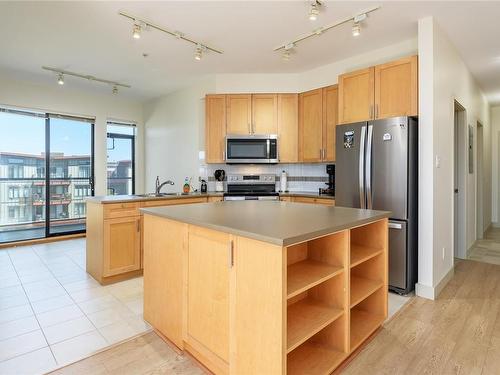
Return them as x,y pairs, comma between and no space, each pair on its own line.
248,150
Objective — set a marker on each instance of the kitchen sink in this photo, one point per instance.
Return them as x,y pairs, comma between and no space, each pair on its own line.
156,195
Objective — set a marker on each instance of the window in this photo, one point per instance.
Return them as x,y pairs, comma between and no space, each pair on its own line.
16,171
121,158
12,212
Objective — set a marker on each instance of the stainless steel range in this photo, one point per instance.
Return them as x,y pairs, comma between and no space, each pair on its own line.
251,187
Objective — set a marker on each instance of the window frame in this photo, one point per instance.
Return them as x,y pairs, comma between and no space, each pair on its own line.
132,138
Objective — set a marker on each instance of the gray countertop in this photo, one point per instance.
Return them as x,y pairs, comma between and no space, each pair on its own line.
279,223
142,198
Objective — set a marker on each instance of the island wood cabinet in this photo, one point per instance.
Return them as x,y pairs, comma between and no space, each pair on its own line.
311,200
252,114
317,122
382,91
310,307
115,237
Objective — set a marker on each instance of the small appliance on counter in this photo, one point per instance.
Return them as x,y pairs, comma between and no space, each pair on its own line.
220,175
203,187
330,190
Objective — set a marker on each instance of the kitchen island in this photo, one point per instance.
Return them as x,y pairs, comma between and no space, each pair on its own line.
265,287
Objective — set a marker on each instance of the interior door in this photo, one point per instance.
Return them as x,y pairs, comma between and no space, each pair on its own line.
238,114
389,171
349,167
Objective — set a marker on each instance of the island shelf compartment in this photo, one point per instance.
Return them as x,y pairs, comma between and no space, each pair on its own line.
366,317
367,242
314,262
366,278
322,353
313,310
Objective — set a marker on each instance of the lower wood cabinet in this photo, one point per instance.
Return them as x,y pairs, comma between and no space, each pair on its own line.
122,245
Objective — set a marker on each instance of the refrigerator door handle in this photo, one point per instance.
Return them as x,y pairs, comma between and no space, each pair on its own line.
362,201
395,226
368,166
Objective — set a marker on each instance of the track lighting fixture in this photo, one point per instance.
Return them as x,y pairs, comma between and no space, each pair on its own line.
140,24
61,73
356,29
314,10
136,31
198,53
287,51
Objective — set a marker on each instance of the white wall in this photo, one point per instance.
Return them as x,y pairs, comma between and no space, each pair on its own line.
174,135
443,78
53,98
495,167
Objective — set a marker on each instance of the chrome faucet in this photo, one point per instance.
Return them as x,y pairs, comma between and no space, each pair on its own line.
158,186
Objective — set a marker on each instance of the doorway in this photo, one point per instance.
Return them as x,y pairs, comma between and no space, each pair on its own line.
479,183
459,180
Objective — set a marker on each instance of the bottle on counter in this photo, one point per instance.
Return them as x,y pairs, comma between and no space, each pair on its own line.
283,181
187,187
203,186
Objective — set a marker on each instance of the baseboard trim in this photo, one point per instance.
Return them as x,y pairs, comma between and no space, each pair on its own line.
430,292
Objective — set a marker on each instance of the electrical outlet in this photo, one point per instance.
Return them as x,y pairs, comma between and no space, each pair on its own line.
438,161
443,252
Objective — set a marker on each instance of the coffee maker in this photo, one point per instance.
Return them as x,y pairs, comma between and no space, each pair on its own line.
330,190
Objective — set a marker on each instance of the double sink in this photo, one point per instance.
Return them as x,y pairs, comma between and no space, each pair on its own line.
152,195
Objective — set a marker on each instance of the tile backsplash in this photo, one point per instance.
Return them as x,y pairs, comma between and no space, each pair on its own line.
300,177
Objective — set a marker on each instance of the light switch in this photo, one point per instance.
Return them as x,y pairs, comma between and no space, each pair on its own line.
438,161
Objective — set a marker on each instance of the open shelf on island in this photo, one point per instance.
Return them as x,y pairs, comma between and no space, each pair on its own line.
366,317
362,288
313,262
360,254
322,353
306,318
307,274
314,358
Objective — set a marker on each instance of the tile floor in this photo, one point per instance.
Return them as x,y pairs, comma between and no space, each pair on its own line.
53,313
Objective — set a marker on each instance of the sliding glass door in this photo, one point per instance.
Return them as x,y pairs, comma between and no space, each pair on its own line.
31,144
71,174
121,158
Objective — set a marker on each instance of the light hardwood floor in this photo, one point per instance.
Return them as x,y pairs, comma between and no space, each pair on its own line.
487,249
459,333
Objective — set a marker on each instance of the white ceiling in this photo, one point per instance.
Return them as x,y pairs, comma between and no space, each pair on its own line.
90,37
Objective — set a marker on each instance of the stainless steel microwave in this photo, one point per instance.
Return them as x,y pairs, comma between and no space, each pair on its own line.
252,149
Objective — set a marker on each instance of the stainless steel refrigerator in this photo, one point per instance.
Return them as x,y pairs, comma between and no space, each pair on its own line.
377,168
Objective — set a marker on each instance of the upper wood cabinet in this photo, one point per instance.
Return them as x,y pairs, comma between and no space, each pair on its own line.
264,114
215,128
318,117
383,91
356,96
239,114
330,120
311,126
288,128
396,88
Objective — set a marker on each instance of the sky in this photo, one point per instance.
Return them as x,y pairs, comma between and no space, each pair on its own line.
26,134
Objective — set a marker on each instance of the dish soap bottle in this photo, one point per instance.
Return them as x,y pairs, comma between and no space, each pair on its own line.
186,188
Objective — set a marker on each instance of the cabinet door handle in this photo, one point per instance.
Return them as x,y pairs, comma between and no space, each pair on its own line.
249,128
138,225
371,111
376,110
223,155
231,254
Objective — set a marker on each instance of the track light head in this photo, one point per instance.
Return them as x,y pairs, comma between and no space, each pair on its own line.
287,51
115,89
356,29
314,10
136,31
198,53
60,79
286,55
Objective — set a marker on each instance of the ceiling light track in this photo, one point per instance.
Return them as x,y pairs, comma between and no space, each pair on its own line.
357,19
176,34
61,73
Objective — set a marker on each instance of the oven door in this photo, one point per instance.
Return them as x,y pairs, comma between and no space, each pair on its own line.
251,149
